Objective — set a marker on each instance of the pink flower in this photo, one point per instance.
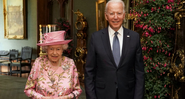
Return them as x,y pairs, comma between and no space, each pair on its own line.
65,25
137,25
152,9
165,65
151,29
144,48
145,27
159,28
155,96
169,54
167,7
141,25
145,58
148,71
146,34
170,1
159,96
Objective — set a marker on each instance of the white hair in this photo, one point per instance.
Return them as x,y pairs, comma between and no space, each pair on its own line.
118,1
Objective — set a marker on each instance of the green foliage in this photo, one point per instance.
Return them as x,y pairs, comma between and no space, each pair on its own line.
156,24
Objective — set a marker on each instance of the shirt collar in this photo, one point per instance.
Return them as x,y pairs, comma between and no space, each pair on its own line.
111,31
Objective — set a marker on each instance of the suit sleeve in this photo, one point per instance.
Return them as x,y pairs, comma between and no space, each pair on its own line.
139,73
90,71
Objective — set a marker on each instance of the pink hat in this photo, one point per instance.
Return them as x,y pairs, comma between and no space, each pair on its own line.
53,38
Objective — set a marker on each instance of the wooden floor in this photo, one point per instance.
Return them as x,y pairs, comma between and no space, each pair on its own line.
12,87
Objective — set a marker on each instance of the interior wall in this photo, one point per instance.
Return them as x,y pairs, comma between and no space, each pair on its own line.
88,8
7,44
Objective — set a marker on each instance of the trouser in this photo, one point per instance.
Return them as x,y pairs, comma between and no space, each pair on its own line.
117,93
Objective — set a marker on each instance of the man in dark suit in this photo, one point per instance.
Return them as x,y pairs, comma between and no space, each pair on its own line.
114,66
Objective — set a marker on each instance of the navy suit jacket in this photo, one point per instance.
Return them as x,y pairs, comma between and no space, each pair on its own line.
103,77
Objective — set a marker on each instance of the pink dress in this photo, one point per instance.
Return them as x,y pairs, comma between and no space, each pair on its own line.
44,81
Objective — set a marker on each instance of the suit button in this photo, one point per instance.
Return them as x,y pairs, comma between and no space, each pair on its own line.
116,84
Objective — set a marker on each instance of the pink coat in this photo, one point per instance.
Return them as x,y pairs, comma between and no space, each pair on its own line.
44,81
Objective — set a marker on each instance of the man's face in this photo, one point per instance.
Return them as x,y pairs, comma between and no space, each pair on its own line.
115,15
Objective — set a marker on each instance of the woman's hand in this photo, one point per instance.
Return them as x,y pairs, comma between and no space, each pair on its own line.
47,97
63,97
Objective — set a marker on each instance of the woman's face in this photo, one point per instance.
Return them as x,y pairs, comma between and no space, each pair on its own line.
54,52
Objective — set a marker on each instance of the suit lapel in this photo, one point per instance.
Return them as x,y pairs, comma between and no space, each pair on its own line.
106,43
125,47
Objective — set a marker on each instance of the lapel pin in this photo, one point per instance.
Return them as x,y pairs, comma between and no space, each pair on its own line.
128,35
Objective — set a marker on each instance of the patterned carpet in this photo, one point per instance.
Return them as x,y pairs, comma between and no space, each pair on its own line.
12,87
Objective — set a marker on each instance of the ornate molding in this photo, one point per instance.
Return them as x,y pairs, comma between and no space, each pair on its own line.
179,14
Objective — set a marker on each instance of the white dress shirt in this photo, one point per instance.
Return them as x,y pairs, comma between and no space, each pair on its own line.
120,37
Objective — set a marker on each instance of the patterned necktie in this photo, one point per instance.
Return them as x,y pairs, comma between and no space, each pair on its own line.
116,49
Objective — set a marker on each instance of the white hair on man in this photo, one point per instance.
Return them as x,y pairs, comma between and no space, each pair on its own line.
115,1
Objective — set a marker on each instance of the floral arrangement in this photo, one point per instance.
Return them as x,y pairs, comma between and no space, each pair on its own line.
156,24
63,24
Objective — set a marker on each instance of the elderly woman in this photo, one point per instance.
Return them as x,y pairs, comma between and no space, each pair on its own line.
53,76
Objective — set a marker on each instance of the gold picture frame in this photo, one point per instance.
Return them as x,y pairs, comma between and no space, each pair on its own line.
101,22
14,19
